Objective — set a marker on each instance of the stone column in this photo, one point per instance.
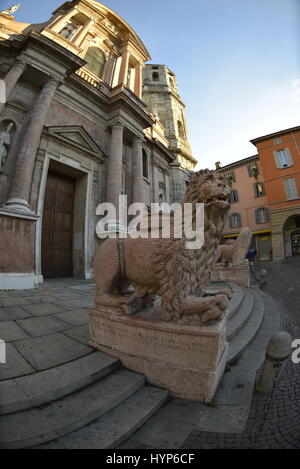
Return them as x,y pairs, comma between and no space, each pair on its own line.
124,68
13,76
81,35
63,20
115,165
137,171
21,184
138,80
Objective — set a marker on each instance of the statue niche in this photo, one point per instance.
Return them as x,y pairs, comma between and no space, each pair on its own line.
68,30
7,131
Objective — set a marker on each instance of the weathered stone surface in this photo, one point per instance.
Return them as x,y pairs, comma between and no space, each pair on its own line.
12,398
187,360
76,317
40,326
52,350
80,334
36,426
43,309
10,331
16,365
12,313
113,428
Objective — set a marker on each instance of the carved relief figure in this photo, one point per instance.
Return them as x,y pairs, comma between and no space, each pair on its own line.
5,143
165,267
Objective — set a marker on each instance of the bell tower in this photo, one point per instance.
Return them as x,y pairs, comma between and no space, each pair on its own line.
160,93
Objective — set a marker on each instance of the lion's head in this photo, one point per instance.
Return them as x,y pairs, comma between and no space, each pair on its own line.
211,189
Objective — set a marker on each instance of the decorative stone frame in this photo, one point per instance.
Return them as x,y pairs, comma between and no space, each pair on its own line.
84,176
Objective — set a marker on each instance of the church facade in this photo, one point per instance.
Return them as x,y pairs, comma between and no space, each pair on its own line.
75,131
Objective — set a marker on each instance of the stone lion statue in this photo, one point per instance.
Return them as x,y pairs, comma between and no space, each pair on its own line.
234,253
165,267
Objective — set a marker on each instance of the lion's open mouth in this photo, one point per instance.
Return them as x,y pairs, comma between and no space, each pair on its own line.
219,200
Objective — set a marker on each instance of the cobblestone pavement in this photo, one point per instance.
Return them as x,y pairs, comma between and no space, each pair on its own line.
274,421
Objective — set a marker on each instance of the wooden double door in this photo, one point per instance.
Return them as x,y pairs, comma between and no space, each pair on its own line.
57,232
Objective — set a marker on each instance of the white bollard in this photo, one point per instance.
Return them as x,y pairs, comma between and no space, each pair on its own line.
278,351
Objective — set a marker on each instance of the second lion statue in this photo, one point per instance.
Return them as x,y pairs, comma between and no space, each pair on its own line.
165,267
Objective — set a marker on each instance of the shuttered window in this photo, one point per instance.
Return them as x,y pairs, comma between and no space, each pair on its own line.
95,59
235,220
259,189
283,158
253,170
234,197
230,177
262,215
291,190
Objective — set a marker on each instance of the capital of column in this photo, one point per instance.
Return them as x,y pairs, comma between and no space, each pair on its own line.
138,140
118,124
51,82
21,64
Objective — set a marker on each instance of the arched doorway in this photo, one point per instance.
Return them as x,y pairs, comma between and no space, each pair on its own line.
291,230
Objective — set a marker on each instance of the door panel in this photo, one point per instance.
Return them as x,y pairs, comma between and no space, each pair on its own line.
57,233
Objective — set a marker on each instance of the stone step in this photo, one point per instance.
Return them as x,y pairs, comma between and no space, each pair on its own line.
113,428
46,386
51,421
240,318
236,300
247,334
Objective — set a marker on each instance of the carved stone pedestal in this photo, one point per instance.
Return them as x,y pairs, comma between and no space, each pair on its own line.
239,274
189,361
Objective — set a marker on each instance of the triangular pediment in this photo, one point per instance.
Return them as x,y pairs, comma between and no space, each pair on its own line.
78,136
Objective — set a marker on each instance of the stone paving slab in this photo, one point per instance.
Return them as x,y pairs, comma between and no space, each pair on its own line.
43,309
236,389
10,331
12,313
51,350
224,419
162,433
16,365
41,326
35,300
13,301
78,304
12,398
76,317
80,334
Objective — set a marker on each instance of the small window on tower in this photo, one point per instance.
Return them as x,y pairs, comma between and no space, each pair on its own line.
155,76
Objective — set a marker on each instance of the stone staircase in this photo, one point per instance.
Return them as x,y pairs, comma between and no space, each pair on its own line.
93,402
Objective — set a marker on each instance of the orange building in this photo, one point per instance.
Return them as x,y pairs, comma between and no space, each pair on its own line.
279,156
249,204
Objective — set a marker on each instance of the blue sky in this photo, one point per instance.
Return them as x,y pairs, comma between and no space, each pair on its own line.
236,61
